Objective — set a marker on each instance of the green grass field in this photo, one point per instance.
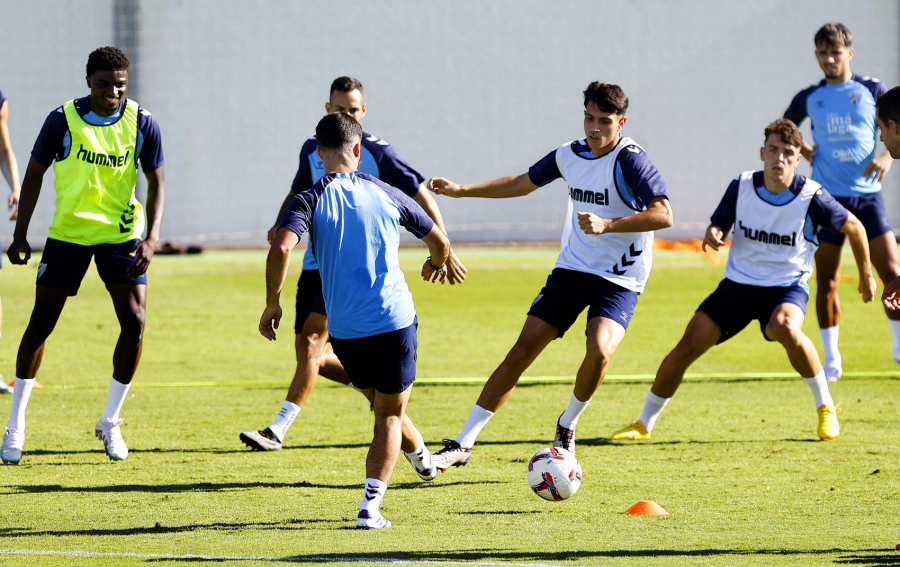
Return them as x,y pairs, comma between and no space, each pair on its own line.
734,458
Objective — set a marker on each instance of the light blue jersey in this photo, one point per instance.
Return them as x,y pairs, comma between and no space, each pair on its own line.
353,220
844,128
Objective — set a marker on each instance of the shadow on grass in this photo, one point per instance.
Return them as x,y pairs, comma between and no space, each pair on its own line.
217,487
604,441
343,523
873,558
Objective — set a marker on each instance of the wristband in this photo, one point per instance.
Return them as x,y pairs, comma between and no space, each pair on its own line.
439,269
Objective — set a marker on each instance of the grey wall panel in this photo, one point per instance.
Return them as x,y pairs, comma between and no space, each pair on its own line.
468,90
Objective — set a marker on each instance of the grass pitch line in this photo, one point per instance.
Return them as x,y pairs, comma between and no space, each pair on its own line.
294,559
482,380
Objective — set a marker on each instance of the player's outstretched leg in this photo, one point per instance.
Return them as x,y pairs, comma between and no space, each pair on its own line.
534,338
828,306
48,305
603,338
702,334
390,410
412,444
312,359
886,260
786,326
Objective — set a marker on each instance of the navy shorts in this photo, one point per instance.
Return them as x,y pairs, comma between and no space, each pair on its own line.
386,361
64,264
309,297
870,211
733,305
568,292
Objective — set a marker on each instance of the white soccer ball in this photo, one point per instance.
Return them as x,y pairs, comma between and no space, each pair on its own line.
554,473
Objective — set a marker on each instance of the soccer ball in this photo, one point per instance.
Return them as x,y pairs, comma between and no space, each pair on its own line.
554,473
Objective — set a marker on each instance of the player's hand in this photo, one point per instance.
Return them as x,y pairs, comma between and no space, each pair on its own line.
456,272
143,253
13,202
429,274
713,238
270,236
17,249
891,295
442,186
269,321
592,224
878,168
867,287
810,154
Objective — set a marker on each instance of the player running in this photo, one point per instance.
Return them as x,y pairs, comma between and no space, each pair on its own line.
94,144
10,169
382,161
617,198
776,215
842,110
354,220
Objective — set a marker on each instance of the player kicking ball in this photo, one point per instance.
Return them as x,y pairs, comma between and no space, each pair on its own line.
354,220
777,216
616,200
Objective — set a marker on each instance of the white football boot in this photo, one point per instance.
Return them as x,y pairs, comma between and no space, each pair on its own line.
110,433
13,441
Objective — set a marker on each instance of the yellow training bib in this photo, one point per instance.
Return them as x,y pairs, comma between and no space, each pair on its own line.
95,183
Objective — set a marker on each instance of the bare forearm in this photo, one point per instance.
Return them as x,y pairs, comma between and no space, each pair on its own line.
428,204
438,246
856,234
10,169
503,188
31,190
284,207
276,271
652,219
156,204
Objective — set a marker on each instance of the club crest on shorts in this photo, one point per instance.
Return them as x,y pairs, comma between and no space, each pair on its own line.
42,267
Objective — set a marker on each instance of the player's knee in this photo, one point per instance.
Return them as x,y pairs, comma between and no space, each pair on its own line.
309,347
520,354
785,332
599,355
133,323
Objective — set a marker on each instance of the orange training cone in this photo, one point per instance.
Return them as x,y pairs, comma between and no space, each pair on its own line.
646,508
37,385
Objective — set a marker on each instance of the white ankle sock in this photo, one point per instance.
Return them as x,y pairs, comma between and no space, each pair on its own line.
895,331
117,393
421,455
282,422
372,496
19,402
819,387
569,418
476,421
653,407
830,341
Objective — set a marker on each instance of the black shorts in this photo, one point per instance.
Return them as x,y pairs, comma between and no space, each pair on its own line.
64,264
386,361
568,292
309,297
870,211
733,305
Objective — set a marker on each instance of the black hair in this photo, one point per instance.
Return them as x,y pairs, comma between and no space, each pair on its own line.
834,34
608,98
338,131
888,106
345,85
106,59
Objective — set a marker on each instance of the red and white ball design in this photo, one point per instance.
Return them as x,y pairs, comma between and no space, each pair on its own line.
554,474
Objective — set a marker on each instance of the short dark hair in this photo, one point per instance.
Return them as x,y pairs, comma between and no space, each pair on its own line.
834,33
337,132
608,98
345,85
106,59
787,131
888,106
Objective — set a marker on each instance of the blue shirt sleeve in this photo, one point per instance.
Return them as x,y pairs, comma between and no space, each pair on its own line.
726,212
151,152
299,215
412,217
545,171
641,176
2,99
824,210
303,178
49,144
796,112
397,172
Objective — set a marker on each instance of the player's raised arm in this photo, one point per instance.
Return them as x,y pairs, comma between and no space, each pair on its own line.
503,188
276,271
859,243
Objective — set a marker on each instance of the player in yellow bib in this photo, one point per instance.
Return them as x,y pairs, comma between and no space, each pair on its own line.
94,144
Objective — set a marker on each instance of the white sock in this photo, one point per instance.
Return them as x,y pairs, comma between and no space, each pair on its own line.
819,387
830,340
372,497
421,455
895,331
569,418
282,422
653,407
476,421
19,402
117,393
